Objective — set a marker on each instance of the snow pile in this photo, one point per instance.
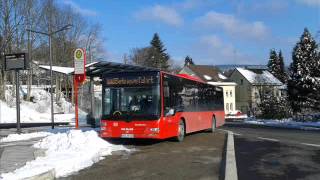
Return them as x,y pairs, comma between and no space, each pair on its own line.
66,153
285,123
21,137
37,111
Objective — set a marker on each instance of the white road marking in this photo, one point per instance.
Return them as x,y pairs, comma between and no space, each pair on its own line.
231,166
237,134
228,131
308,144
269,139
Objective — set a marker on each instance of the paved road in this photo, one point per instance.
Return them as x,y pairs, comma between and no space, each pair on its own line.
267,153
199,156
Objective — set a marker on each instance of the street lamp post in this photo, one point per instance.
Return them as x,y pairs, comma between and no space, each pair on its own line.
49,34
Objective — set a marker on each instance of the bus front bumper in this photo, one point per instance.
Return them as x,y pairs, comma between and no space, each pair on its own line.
114,129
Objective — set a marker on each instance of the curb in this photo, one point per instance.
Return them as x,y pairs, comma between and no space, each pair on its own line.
231,166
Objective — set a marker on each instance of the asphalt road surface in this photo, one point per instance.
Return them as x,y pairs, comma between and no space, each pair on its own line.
199,156
272,153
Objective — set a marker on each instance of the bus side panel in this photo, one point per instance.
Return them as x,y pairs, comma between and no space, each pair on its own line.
169,126
197,121
219,118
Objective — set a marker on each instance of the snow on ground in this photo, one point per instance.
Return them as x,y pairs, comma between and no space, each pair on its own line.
26,136
286,123
37,111
66,153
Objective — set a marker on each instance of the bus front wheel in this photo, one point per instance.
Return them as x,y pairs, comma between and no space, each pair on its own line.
181,131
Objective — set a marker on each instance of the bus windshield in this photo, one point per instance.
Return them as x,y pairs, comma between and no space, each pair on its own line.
135,102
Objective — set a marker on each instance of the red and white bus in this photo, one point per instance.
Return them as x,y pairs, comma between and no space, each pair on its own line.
158,105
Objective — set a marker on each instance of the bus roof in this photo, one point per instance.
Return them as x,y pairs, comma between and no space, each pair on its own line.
187,76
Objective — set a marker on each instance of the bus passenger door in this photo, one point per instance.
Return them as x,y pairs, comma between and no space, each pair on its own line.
170,110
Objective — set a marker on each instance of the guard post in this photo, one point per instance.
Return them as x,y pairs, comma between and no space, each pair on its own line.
16,62
79,77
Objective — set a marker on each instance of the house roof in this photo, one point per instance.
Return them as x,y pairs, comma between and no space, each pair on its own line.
259,76
59,69
207,73
63,70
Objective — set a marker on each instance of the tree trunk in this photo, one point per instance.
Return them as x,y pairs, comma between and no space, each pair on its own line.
57,88
2,85
29,84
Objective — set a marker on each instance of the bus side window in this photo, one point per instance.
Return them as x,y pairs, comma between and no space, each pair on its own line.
173,90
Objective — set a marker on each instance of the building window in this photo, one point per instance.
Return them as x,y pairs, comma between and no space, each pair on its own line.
227,106
227,94
231,93
231,108
241,81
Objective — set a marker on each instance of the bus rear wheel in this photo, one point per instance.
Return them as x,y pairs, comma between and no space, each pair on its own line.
181,131
213,124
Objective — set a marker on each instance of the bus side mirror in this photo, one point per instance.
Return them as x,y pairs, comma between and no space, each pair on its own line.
171,112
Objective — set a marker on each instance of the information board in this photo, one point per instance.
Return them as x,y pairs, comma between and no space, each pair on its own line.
18,61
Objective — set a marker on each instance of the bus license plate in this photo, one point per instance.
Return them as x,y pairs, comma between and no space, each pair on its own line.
127,135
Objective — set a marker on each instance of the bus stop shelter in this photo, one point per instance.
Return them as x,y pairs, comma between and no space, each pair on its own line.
99,68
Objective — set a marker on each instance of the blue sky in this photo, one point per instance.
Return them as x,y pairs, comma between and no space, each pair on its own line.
210,31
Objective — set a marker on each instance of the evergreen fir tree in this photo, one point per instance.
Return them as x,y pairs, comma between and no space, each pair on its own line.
158,57
276,65
282,74
303,83
188,60
273,64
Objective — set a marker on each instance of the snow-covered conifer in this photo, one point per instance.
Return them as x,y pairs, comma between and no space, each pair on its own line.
303,84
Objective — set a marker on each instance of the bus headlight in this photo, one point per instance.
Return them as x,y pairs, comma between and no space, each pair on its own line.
155,129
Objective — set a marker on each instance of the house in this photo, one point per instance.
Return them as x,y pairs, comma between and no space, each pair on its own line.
212,75
252,84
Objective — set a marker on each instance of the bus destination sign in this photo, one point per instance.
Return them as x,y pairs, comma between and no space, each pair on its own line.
130,81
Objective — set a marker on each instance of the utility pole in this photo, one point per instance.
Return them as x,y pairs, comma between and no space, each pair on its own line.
50,34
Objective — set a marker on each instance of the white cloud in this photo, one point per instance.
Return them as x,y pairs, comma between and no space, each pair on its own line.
270,7
212,49
310,2
192,4
81,10
161,13
233,26
212,40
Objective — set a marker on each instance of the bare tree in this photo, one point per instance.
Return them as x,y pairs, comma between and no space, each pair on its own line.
139,56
